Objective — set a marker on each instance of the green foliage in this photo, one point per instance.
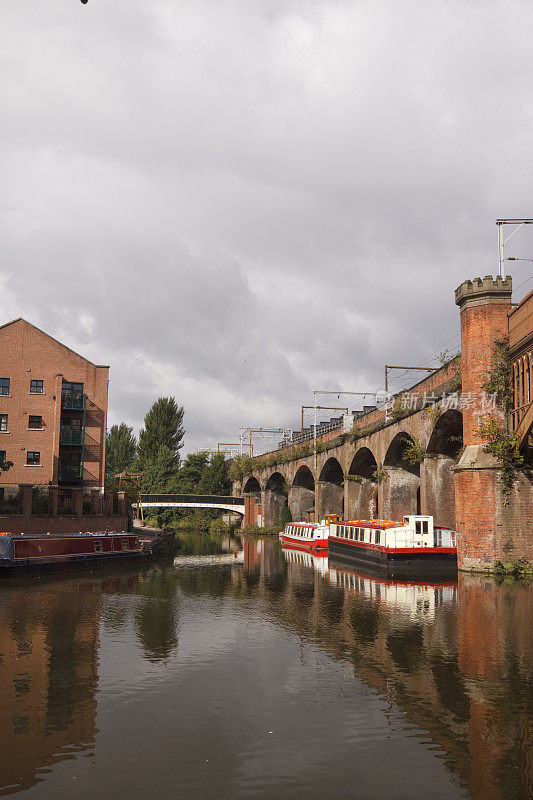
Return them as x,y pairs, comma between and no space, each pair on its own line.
121,450
163,427
503,445
285,515
241,466
5,466
499,379
39,501
360,433
516,569
191,473
214,479
160,472
413,453
378,474
10,506
399,411
354,478
433,412
442,358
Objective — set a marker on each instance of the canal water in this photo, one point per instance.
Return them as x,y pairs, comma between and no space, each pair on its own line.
244,671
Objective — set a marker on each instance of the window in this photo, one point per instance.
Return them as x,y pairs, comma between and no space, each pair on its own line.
68,388
4,385
377,537
98,547
33,457
424,526
3,422
2,456
35,421
36,387
125,544
418,526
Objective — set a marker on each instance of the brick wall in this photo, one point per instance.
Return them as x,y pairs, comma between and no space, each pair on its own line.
106,512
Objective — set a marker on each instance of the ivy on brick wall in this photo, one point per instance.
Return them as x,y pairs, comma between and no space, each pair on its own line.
503,445
499,379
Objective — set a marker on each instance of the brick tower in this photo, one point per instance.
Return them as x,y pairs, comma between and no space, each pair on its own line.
484,304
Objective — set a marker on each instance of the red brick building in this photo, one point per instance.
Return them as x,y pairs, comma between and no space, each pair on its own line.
53,411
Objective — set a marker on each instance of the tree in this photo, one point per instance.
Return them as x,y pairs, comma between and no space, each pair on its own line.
163,427
160,474
121,449
215,478
191,473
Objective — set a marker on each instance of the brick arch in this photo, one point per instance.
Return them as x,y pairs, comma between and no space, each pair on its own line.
364,463
361,496
330,488
252,486
400,490
438,483
275,496
447,435
302,495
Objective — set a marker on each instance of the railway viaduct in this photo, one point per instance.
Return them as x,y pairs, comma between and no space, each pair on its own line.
425,456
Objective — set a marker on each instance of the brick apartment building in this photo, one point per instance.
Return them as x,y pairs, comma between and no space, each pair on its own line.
53,411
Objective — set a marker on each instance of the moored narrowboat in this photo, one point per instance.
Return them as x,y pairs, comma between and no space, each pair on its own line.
306,535
413,546
26,553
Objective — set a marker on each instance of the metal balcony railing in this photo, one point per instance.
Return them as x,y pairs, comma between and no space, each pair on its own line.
70,436
70,474
73,402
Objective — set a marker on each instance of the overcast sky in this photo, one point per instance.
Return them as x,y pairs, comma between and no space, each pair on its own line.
238,201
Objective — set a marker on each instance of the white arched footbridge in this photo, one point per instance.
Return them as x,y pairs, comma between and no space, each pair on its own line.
235,504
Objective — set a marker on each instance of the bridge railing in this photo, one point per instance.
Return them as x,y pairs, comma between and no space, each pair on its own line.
192,498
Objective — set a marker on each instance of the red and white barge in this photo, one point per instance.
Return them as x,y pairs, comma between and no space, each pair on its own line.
413,546
305,535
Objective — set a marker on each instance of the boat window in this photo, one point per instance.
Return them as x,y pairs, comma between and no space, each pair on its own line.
377,537
125,544
98,547
418,526
424,526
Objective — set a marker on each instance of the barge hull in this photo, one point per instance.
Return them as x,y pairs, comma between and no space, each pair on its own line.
45,566
418,564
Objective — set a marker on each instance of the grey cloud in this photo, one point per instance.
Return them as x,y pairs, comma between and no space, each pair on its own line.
239,202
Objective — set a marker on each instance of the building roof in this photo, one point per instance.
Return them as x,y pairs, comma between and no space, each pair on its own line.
21,319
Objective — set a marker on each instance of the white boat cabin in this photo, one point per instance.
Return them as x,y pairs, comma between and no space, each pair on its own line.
415,531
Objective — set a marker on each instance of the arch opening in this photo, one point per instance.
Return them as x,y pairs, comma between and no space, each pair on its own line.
276,496
447,436
361,493
252,486
397,454
363,464
444,444
330,490
302,495
402,482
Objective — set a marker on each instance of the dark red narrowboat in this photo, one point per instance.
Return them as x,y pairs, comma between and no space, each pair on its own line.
24,553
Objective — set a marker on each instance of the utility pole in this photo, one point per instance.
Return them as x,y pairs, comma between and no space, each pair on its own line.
322,408
245,430
502,241
338,393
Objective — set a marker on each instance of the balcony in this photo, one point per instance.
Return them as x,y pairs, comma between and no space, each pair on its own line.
70,474
70,436
73,402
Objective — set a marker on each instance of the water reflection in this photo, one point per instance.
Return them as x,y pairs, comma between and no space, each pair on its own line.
453,659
